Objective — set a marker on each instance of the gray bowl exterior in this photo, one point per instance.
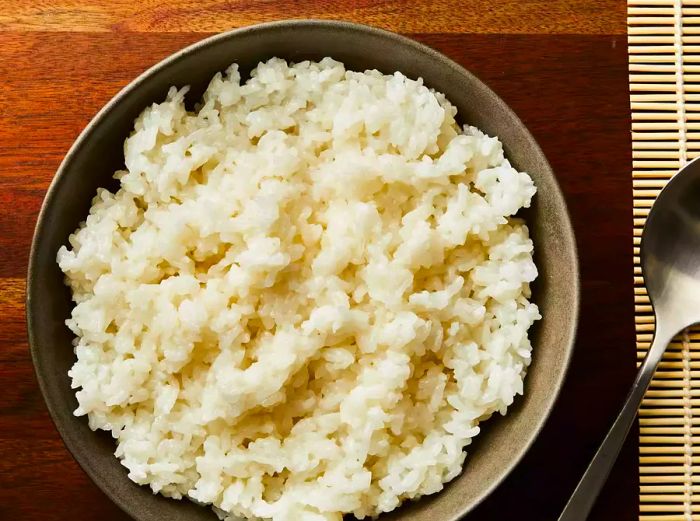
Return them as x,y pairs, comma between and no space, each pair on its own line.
98,152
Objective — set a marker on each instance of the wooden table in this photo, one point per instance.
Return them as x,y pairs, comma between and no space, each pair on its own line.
560,64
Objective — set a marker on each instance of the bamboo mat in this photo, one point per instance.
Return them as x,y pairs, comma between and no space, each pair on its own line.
664,72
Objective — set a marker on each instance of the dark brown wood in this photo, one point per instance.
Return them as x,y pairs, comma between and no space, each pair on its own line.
427,16
570,90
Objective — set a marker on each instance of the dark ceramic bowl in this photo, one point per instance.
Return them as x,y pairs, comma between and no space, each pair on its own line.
98,152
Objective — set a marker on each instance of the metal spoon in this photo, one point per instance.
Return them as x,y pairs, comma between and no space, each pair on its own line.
670,258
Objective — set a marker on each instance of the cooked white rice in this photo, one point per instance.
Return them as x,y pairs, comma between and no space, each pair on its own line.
304,296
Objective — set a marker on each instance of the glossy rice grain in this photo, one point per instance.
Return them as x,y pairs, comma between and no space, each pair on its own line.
304,296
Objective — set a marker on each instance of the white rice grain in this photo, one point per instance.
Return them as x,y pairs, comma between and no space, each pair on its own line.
304,296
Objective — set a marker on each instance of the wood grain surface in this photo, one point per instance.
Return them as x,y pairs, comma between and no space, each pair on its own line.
427,16
560,64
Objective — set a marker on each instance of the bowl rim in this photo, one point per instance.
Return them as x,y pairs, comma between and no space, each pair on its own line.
32,289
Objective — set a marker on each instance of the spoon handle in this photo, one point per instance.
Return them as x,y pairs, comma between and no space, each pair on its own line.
587,490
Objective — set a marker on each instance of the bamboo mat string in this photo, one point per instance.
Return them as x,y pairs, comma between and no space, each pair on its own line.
682,149
680,87
687,434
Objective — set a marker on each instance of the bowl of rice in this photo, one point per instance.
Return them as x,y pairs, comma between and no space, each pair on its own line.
305,270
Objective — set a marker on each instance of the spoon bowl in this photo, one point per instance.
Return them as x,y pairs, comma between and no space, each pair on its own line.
670,252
